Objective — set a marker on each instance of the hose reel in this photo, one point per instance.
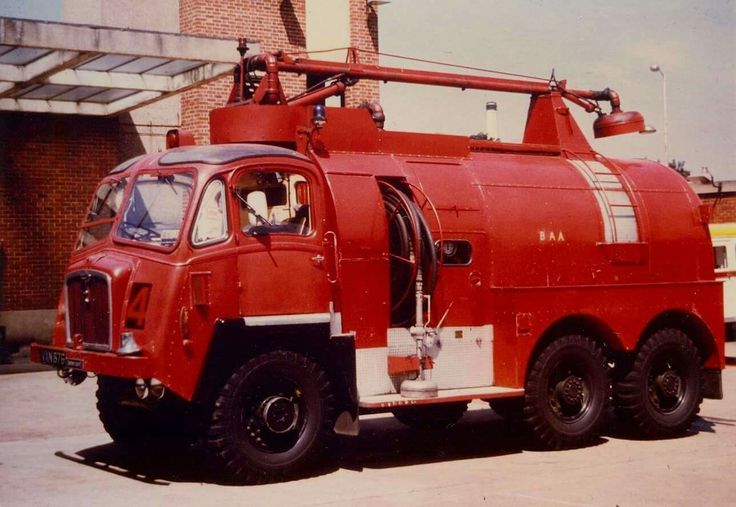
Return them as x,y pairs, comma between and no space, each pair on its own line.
411,252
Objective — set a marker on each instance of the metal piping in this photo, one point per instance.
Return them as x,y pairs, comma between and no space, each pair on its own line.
270,92
319,95
377,114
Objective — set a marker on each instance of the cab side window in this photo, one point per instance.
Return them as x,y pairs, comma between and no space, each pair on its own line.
211,223
274,202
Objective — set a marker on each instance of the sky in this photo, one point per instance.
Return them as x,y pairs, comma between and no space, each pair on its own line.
593,44
50,10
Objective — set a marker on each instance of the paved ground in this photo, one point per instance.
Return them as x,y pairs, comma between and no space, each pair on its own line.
53,451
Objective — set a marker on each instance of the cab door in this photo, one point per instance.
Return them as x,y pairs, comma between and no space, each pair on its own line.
283,270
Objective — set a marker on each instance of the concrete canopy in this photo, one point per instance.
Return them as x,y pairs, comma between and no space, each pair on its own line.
63,68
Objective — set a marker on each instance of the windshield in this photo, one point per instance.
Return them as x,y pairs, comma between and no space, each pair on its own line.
102,211
156,209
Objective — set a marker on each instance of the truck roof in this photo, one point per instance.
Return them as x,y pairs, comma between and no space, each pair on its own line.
218,154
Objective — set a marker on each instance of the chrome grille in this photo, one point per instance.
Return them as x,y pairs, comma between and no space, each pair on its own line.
88,310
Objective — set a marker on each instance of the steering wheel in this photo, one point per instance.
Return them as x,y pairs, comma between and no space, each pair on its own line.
148,234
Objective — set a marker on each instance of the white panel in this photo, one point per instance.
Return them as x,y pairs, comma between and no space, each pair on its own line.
597,167
627,230
372,372
620,198
605,217
623,212
617,211
463,356
608,180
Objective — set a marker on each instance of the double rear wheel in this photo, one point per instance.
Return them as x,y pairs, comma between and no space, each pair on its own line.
567,392
660,394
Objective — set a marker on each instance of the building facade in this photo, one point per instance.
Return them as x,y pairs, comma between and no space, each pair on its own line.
50,163
720,195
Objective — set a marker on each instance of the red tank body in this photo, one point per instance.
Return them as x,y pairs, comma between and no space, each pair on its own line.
368,270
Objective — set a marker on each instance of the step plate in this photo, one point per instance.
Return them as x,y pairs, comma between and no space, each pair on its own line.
388,401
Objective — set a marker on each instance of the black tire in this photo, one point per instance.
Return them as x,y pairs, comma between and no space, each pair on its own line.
272,418
660,395
511,409
135,423
567,393
431,417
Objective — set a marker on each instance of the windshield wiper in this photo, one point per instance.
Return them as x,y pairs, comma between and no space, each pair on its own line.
252,209
169,180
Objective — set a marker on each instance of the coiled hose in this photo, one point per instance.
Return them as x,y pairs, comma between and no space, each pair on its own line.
410,246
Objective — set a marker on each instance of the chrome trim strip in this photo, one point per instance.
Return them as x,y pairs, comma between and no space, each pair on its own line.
335,321
287,320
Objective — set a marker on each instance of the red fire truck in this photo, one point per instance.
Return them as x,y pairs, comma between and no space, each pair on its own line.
308,266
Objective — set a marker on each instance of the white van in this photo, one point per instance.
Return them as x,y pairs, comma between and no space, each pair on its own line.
724,252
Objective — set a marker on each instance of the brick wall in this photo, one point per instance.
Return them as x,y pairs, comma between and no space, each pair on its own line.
50,165
277,25
723,208
49,168
363,35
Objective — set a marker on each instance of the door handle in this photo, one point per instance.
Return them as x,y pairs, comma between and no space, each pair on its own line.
333,239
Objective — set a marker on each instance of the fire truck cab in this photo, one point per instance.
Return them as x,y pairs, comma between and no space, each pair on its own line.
309,266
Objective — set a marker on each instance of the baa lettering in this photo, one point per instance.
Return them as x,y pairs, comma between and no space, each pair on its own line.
551,236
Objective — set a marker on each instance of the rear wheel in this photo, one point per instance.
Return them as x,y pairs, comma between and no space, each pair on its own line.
661,393
567,393
511,409
431,417
272,418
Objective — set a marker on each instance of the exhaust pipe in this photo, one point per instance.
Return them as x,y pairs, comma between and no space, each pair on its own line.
492,121
145,389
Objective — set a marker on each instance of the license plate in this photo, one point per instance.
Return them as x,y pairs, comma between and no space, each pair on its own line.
58,358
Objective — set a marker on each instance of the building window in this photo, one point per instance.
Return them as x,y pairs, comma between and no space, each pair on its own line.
721,259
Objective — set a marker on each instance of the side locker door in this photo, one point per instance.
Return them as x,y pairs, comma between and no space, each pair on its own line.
283,269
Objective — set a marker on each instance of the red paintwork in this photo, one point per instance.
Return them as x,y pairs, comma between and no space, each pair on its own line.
505,199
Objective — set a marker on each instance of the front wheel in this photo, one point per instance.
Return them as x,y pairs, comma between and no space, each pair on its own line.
661,393
170,422
567,392
272,417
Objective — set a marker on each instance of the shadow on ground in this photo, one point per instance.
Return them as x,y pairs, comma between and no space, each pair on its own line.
383,443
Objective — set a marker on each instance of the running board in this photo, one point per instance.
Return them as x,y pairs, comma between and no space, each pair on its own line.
389,401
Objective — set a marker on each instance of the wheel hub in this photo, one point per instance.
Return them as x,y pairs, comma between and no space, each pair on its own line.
669,383
571,390
279,414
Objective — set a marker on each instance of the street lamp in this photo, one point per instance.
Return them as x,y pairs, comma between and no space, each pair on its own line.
657,68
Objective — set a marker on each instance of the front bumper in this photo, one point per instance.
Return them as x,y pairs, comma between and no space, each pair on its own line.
103,363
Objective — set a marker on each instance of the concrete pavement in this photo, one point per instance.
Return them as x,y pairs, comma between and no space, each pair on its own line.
53,451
